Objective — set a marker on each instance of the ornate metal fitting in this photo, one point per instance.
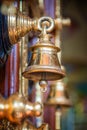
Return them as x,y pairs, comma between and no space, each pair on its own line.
19,25
59,23
16,108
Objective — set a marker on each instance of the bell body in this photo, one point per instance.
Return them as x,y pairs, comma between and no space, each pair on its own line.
58,96
44,63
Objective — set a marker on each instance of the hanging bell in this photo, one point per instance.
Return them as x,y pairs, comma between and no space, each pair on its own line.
58,96
44,63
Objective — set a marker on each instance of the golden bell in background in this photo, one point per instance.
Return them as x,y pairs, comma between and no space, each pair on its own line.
58,96
44,63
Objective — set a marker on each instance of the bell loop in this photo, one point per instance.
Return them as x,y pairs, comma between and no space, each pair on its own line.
46,21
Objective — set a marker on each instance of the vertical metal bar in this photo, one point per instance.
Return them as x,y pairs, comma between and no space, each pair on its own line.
58,120
23,83
20,50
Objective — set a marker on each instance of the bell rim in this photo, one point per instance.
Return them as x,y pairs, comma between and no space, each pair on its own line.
65,103
56,70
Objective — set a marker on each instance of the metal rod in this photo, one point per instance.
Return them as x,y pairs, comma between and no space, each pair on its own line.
23,83
58,119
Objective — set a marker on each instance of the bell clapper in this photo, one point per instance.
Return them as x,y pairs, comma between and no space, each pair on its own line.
43,84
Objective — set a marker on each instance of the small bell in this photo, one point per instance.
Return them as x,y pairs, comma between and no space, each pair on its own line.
44,63
58,95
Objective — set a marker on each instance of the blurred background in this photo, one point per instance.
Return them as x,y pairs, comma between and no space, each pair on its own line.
74,57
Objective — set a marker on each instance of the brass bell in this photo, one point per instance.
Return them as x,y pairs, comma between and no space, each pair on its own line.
44,64
58,96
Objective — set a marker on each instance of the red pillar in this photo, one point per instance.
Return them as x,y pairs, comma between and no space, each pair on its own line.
12,72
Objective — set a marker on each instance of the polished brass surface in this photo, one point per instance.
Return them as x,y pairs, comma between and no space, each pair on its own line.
43,84
16,108
27,125
19,25
44,63
23,83
48,21
23,49
58,96
33,109
59,23
2,107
